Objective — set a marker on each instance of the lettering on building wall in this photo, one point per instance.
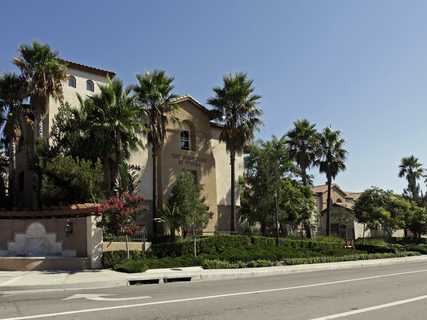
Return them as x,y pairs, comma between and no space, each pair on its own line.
188,160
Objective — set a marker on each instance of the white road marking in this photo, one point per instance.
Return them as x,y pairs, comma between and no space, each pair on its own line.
102,297
235,294
11,281
15,292
373,308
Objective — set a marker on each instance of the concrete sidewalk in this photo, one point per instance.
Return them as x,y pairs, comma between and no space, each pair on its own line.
59,280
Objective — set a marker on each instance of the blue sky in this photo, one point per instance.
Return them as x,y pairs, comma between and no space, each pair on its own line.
359,66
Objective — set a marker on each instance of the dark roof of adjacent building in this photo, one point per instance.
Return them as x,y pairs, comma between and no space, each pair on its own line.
324,188
83,67
339,205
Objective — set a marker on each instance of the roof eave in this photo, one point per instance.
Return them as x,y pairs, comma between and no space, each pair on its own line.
82,67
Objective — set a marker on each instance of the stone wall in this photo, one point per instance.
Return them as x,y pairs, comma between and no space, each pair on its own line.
16,233
66,234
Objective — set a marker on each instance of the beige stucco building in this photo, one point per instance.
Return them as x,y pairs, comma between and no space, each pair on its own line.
191,144
343,221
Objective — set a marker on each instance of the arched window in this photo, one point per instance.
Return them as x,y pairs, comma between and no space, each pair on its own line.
72,82
90,86
187,138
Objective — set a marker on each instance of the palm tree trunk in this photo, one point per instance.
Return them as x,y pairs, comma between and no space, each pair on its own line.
263,228
39,104
115,165
172,231
306,223
303,177
232,192
159,182
154,203
107,176
12,173
328,208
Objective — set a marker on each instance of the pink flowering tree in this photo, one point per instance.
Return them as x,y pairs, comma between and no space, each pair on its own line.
119,215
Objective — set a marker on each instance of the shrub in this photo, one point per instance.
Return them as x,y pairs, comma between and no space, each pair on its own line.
168,262
131,266
421,248
256,247
376,246
140,263
332,239
221,264
111,258
405,241
205,245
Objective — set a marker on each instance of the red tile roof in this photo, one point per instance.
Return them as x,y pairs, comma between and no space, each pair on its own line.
82,67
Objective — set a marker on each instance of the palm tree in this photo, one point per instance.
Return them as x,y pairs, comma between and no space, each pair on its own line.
302,141
331,157
113,121
44,72
13,90
412,170
154,95
239,115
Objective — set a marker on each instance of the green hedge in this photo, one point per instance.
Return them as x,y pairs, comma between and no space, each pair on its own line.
407,241
131,266
140,265
111,258
221,264
205,245
218,245
377,246
177,262
421,248
230,248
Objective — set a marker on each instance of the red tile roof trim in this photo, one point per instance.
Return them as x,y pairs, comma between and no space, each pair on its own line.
72,211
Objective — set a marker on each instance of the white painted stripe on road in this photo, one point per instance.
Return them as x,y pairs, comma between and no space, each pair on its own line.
373,308
11,281
235,294
26,291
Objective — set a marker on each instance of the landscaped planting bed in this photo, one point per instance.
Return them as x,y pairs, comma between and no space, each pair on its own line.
248,251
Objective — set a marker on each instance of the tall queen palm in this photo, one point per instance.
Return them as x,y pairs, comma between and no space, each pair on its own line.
44,72
412,170
331,157
302,142
154,95
239,115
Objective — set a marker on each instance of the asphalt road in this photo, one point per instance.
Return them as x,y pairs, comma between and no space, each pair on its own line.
387,292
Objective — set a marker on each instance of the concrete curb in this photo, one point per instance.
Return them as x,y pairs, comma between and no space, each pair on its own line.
83,280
